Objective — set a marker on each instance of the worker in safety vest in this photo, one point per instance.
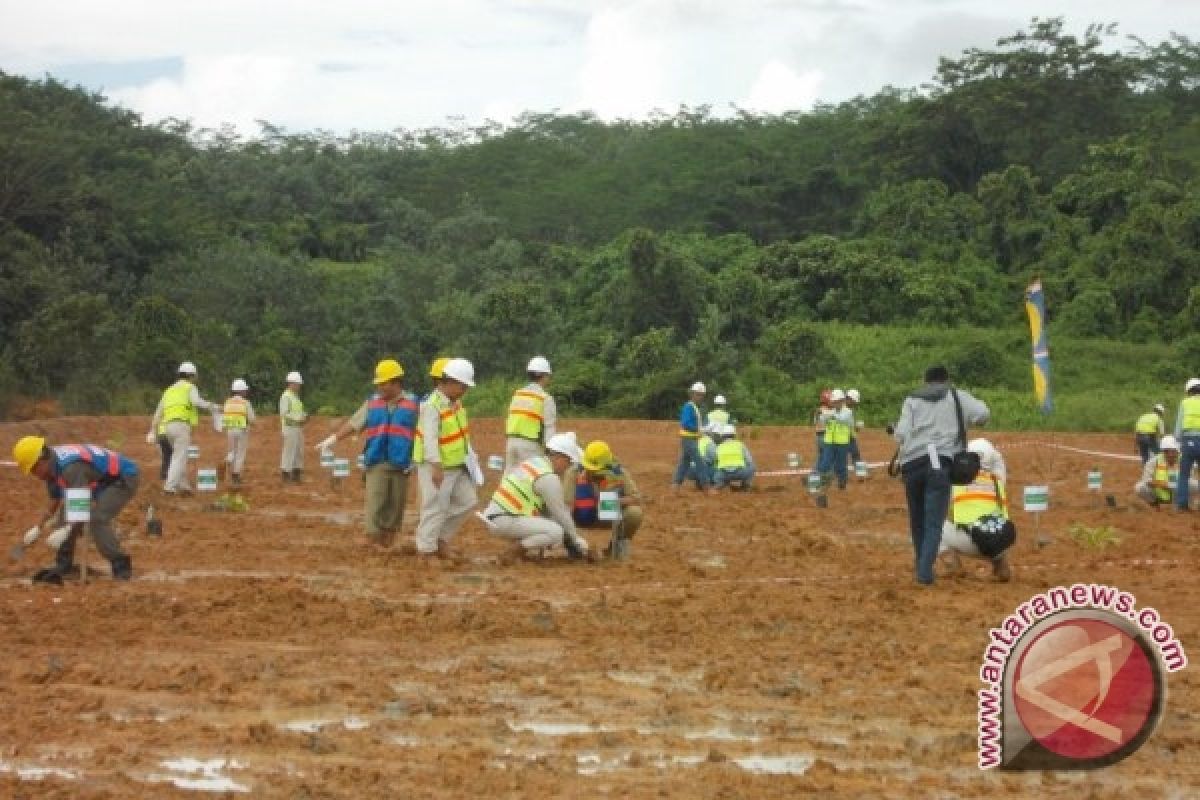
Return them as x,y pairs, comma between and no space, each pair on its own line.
292,418
529,504
236,418
824,408
177,413
708,453
853,398
735,465
442,448
839,424
1187,433
532,416
718,418
1160,475
1148,429
388,418
690,461
980,526
113,481
598,471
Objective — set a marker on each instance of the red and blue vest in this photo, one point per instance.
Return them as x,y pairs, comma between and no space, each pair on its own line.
390,434
112,464
587,494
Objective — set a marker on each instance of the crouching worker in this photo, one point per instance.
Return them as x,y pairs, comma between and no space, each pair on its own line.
1161,474
980,527
600,472
528,504
735,465
113,481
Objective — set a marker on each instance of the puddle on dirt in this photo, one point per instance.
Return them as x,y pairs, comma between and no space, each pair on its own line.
722,734
316,725
32,772
776,765
711,560
204,776
554,728
405,741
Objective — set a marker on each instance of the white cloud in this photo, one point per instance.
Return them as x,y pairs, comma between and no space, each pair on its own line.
778,89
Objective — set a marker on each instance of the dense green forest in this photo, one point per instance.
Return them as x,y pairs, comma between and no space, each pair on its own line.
767,255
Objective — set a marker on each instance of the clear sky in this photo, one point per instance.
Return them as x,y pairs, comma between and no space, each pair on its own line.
382,64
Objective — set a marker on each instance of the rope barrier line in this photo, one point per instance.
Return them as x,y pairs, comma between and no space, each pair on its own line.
1120,456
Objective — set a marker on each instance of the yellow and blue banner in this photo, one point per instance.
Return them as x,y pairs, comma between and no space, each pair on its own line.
1035,307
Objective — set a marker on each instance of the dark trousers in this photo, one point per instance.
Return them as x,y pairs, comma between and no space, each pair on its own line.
927,491
1189,457
106,506
164,447
1147,445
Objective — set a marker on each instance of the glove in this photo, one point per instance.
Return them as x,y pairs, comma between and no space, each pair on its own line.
327,443
151,438
55,540
32,535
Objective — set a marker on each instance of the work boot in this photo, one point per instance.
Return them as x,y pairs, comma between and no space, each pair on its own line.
285,476
1001,571
237,479
574,551
122,568
297,474
50,575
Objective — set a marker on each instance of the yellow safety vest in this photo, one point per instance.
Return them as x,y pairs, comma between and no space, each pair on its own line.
731,455
1164,474
718,417
1147,423
1190,406
295,406
234,415
982,496
836,431
707,448
453,432
177,404
525,413
516,494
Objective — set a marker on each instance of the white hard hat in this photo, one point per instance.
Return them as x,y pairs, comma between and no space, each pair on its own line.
1160,408
1168,442
540,365
853,395
837,394
565,444
293,377
187,368
989,457
239,385
461,370
728,430
719,400
1192,384
699,387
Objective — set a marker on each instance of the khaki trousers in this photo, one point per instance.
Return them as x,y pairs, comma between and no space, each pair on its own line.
239,441
386,496
442,510
517,449
179,434
532,532
293,448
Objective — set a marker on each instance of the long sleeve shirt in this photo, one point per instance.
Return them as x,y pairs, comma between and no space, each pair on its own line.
429,423
689,418
196,400
291,410
928,418
550,488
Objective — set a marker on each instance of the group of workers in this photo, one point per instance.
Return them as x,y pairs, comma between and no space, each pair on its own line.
712,455
1169,459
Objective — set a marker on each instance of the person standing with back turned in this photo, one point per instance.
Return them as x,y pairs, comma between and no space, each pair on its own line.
928,435
532,416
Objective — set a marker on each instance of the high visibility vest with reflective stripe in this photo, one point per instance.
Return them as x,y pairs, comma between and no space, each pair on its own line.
587,492
1163,473
453,432
525,413
177,404
1147,423
112,464
389,434
684,431
235,413
718,417
979,498
708,448
516,494
731,455
1190,406
836,431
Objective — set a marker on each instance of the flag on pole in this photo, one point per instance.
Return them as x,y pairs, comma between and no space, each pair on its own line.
1035,307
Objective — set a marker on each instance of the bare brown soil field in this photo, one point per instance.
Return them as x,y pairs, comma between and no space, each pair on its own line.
754,646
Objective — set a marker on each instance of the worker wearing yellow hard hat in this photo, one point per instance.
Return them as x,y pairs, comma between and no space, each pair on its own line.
108,478
583,484
388,419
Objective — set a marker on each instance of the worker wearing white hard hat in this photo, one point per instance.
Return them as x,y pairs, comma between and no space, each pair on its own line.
853,398
690,431
292,419
529,504
839,427
1147,430
1160,475
171,426
532,415
237,416
1187,433
718,418
979,526
734,465
442,452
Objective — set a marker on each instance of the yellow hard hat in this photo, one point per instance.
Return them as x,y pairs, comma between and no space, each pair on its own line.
597,456
388,370
435,370
27,451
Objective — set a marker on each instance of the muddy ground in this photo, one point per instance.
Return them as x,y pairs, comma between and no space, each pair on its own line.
755,646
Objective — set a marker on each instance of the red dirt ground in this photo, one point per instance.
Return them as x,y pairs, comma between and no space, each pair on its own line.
746,626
